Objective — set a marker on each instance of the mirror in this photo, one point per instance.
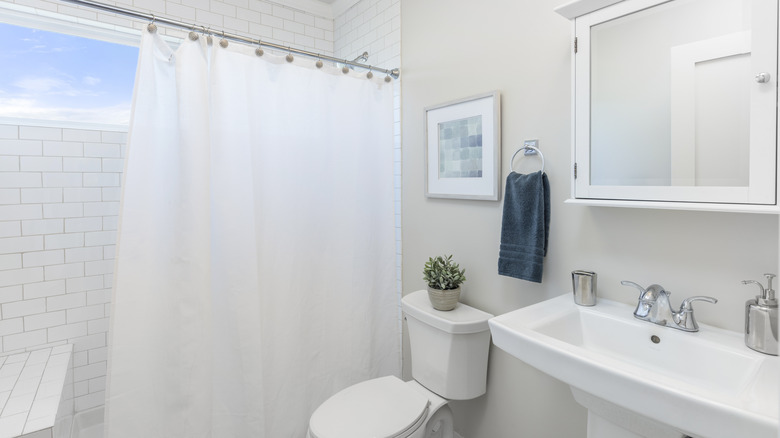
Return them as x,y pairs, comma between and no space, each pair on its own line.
668,104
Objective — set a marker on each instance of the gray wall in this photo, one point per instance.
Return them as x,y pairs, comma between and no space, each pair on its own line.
455,48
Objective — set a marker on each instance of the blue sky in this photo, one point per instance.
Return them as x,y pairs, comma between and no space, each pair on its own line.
48,75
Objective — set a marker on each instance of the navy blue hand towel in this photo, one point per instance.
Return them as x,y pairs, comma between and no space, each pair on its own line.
525,226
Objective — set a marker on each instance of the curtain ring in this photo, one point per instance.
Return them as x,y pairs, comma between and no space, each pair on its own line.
152,28
289,57
223,42
345,69
370,74
209,39
319,63
259,50
193,36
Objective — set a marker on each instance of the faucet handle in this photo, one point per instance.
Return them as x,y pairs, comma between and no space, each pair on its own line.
632,284
684,319
651,293
686,304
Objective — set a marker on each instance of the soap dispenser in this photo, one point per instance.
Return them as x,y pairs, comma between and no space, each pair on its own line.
761,319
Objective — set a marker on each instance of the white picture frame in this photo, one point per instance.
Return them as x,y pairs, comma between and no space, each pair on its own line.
463,148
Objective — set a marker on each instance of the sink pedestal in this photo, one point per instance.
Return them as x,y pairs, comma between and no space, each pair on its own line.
608,420
598,427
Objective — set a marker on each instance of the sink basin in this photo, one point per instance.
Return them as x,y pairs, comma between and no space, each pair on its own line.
706,384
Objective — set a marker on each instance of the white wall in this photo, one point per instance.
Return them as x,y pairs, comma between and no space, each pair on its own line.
59,187
456,48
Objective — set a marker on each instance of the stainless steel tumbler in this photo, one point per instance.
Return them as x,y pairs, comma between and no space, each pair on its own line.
584,287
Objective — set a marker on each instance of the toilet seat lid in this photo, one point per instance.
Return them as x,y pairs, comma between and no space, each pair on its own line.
379,408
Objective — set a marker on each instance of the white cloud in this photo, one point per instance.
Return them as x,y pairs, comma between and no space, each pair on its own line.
41,85
40,49
51,86
90,80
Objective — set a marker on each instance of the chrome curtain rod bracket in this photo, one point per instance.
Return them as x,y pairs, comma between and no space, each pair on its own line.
394,73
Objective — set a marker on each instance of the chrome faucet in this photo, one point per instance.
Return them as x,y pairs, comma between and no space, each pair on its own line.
654,306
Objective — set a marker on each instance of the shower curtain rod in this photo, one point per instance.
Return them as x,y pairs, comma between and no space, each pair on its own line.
395,73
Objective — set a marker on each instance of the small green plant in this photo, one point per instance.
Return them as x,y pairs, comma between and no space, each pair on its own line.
442,273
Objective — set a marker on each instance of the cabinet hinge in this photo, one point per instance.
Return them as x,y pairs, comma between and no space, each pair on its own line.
575,44
575,170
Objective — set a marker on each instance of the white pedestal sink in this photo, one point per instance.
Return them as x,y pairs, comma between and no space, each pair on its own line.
639,379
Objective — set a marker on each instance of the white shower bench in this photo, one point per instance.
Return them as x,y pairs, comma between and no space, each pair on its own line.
36,393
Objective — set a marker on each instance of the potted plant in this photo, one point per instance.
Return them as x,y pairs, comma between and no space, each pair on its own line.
444,278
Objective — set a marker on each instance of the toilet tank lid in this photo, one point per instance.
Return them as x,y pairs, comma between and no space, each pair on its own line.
461,319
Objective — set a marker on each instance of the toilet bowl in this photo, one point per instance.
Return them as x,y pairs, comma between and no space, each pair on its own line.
449,353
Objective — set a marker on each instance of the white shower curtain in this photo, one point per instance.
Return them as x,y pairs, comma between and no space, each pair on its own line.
255,271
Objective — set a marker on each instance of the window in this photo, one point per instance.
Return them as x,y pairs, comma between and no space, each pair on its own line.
49,75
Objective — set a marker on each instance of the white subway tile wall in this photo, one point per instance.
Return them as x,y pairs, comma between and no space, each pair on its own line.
374,26
58,207
60,187
269,21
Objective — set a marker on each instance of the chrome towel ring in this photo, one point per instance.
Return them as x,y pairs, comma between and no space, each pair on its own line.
529,150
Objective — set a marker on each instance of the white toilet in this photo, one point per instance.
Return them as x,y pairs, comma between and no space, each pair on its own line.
449,362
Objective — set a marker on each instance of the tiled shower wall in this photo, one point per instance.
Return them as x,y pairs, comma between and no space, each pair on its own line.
59,199
374,26
270,21
59,186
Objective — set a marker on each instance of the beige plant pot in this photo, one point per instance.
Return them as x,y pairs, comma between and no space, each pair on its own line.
444,299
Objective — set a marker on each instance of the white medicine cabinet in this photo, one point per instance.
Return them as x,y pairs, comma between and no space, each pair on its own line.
675,103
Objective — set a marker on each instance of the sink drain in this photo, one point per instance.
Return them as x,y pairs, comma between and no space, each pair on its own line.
655,339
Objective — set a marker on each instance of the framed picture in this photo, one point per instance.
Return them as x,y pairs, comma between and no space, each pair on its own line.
462,148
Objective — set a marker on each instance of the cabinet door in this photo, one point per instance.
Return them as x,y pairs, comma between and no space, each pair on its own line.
677,101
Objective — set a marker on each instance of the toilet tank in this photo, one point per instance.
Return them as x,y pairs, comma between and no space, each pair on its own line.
449,349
